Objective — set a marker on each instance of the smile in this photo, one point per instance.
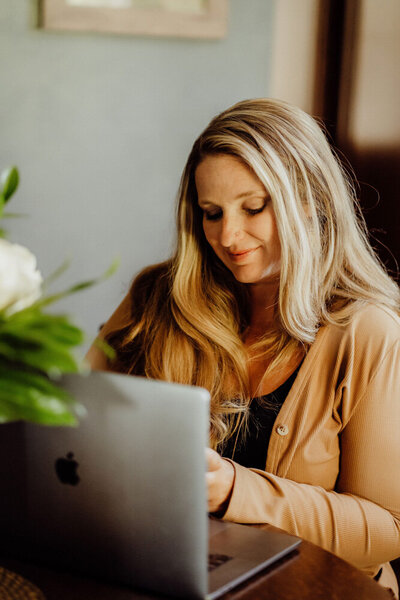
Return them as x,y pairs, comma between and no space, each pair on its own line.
241,256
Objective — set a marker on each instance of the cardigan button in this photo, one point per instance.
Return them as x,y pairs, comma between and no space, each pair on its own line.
282,429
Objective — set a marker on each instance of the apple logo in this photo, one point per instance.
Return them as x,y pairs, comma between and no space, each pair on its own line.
66,469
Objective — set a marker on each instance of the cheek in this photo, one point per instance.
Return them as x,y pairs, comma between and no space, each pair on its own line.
276,242
208,232
267,230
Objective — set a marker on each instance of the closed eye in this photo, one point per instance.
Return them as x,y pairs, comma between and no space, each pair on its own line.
212,216
255,211
216,215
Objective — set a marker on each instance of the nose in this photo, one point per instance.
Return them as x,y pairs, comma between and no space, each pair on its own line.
230,231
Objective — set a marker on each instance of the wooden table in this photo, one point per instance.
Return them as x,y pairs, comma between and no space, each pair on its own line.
309,573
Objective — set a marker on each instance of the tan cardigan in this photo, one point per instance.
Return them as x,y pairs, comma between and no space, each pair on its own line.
333,467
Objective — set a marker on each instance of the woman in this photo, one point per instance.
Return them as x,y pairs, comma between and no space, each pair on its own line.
275,302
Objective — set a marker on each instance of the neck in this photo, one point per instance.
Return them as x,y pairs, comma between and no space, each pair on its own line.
263,299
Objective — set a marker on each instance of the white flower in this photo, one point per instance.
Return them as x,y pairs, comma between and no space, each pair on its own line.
20,281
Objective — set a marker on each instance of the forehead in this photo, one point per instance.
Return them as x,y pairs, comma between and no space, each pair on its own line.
223,172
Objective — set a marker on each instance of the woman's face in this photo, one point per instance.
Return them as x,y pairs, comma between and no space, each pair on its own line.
238,219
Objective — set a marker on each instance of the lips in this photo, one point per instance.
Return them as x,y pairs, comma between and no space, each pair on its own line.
241,255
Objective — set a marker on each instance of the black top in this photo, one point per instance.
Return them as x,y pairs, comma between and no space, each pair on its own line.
251,449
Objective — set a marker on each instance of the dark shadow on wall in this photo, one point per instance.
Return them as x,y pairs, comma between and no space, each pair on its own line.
378,174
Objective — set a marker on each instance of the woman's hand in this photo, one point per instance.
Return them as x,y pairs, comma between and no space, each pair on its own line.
219,479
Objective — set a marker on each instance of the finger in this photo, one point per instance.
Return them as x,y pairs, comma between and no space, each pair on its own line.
212,477
213,459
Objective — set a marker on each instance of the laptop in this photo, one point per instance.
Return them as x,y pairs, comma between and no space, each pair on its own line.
123,495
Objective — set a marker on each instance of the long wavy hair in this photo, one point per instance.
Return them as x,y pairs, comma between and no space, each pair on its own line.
189,314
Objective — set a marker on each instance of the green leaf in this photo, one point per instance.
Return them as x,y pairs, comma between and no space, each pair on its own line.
9,181
105,347
41,329
32,379
40,341
31,396
9,215
11,411
53,361
8,412
78,287
56,274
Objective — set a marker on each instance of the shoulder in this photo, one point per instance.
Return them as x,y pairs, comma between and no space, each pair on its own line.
149,284
375,315
145,285
369,320
150,278
370,332
150,275
152,282
374,320
360,357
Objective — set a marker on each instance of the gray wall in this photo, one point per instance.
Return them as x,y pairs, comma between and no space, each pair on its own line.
100,127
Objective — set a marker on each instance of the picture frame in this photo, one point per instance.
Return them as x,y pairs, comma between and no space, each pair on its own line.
202,19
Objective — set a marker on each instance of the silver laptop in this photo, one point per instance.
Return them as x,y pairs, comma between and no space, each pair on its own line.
123,496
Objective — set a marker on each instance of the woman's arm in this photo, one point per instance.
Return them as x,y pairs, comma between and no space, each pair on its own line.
95,357
360,519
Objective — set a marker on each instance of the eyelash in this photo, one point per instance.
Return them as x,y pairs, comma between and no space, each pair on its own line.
250,211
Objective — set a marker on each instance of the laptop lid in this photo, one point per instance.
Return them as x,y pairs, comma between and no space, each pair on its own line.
122,496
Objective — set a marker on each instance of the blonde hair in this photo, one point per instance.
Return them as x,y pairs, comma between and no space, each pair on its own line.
190,327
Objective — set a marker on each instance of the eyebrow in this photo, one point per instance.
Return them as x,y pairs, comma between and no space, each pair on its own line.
251,193
239,196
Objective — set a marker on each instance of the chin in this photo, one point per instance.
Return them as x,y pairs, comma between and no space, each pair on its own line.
244,277
267,276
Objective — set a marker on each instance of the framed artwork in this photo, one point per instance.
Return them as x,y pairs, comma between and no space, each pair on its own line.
177,18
